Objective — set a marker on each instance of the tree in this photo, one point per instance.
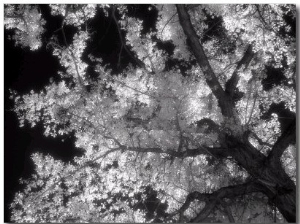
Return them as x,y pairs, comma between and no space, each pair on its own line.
190,119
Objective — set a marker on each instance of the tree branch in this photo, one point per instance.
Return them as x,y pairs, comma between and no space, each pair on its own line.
209,206
80,80
225,103
209,125
123,43
287,137
86,164
233,81
168,22
212,199
227,211
202,150
261,142
265,24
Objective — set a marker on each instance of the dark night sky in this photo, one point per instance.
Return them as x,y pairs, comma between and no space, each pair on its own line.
25,70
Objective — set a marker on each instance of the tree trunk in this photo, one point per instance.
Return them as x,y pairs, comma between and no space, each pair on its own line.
286,204
267,171
282,191
277,185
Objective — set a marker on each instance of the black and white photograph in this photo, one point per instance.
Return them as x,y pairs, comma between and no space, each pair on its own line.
150,113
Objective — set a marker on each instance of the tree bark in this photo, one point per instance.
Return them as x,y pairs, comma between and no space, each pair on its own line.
215,198
225,103
267,171
281,191
287,137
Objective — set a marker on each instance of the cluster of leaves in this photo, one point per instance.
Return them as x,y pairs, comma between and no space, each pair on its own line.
27,23
176,132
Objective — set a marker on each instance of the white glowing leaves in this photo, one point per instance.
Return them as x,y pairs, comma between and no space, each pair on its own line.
75,15
168,28
46,166
56,105
79,43
138,85
200,103
269,130
248,78
58,9
134,27
278,94
167,17
84,196
70,57
28,107
175,95
235,22
45,186
165,139
248,106
143,45
197,17
59,192
28,24
260,25
288,160
129,216
124,116
85,141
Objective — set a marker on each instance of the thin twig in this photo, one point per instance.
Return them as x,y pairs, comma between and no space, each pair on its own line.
122,41
168,22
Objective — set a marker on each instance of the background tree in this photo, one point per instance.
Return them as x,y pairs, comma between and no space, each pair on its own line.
189,123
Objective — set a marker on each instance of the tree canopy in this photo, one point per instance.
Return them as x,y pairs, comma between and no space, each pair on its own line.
194,122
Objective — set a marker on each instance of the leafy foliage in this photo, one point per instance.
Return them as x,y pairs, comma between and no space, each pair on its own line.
27,23
193,135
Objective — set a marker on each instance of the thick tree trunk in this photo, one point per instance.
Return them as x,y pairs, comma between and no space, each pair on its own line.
281,191
279,187
267,171
286,204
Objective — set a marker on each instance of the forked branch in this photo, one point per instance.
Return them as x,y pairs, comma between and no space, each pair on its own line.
225,103
123,41
287,137
233,81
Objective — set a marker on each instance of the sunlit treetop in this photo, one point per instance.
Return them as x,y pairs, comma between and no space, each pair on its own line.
186,120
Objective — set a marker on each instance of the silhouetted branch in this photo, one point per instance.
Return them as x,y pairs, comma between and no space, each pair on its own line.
233,81
287,137
261,142
225,103
123,42
209,125
201,150
227,211
70,51
212,199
